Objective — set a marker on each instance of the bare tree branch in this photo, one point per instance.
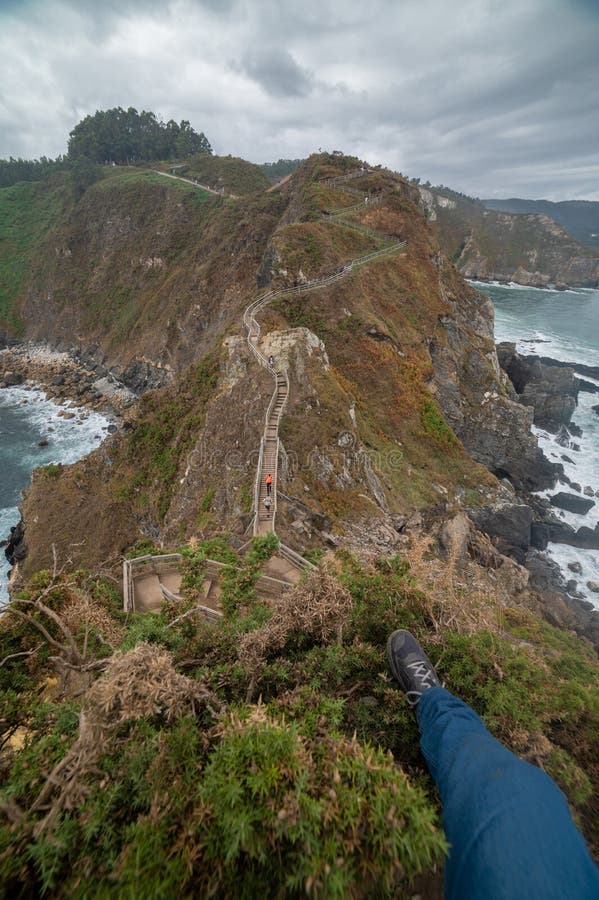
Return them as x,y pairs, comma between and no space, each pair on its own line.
37,604
185,615
22,653
36,624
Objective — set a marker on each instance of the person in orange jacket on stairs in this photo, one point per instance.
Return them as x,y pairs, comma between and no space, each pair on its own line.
268,480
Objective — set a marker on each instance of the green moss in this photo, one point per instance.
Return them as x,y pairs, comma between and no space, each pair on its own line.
435,426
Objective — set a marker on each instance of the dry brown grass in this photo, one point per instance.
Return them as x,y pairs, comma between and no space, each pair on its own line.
80,613
457,593
139,683
318,607
142,682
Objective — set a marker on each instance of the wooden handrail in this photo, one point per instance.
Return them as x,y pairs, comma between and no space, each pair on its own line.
253,333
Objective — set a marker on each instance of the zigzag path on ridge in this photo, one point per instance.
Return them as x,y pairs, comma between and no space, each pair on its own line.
264,517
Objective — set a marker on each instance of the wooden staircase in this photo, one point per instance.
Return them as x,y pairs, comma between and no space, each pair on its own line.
150,581
264,518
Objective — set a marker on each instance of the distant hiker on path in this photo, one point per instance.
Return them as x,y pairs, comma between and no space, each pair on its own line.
268,480
267,502
271,362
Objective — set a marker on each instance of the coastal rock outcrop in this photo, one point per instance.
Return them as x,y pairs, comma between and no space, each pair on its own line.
551,391
507,521
479,401
491,245
547,528
571,502
16,547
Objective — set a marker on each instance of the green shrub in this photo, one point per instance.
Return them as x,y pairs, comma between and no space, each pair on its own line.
313,554
52,470
325,815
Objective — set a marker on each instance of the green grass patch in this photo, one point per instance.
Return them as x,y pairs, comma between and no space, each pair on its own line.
28,211
152,178
435,426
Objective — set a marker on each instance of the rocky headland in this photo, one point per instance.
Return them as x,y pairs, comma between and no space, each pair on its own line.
64,378
526,248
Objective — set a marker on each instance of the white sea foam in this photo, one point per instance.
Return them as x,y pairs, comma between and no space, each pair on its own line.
563,554
514,286
566,329
68,441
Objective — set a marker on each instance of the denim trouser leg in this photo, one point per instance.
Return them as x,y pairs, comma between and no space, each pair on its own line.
508,824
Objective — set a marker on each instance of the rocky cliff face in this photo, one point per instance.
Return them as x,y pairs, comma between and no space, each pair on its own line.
551,391
478,400
530,249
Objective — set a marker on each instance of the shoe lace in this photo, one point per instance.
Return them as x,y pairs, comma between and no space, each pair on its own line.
425,676
413,697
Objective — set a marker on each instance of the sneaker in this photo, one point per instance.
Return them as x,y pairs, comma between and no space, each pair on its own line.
410,666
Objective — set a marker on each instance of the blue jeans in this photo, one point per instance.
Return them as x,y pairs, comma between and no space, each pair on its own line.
509,826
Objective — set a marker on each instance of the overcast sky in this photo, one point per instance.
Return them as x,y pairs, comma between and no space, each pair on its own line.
491,97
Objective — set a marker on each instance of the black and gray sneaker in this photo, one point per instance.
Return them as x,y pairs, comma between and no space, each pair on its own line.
410,665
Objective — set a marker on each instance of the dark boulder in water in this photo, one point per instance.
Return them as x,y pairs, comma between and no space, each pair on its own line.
16,548
571,502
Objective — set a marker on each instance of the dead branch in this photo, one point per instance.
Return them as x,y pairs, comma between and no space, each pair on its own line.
36,624
185,615
68,635
96,665
22,653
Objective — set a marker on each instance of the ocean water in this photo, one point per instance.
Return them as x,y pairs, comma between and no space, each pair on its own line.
563,325
26,417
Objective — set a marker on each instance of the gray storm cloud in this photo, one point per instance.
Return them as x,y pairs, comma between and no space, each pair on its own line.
492,98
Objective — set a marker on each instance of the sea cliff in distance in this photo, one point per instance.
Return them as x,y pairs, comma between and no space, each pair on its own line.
491,241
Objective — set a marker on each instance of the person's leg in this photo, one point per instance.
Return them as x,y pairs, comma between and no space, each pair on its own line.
509,826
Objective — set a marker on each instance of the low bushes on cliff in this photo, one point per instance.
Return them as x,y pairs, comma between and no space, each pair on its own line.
318,786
